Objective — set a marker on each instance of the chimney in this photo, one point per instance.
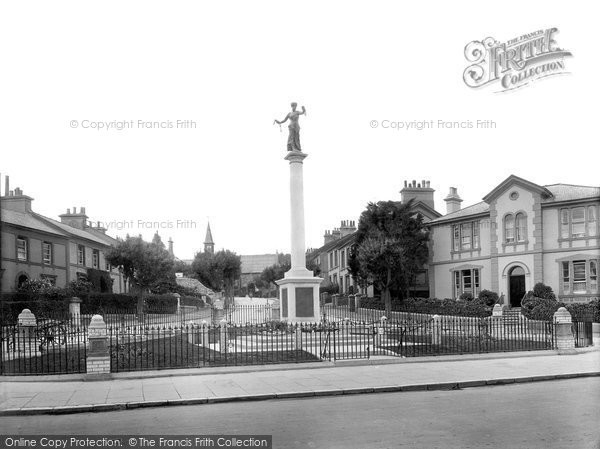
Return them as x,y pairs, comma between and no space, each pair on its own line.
418,192
76,220
452,201
327,237
171,246
6,185
347,228
17,201
336,234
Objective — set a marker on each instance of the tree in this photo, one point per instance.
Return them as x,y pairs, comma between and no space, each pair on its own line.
391,246
144,265
277,271
218,271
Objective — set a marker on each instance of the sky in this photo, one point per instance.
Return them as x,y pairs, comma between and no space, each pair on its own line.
233,67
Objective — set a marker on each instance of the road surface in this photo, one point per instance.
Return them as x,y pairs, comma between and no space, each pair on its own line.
556,414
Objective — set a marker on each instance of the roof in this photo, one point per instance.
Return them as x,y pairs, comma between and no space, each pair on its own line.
553,193
570,192
81,233
475,209
258,262
194,284
511,180
30,221
209,238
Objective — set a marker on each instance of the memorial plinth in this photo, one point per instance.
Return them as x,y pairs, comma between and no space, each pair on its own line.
299,289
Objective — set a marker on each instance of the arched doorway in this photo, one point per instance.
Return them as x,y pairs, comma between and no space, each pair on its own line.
21,279
516,284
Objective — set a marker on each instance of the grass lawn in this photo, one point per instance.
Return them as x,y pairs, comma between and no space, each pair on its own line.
415,347
65,361
176,352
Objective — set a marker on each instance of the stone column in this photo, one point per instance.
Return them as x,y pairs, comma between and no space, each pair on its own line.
351,303
223,336
497,322
596,334
563,332
75,311
218,312
299,289
98,356
436,330
26,341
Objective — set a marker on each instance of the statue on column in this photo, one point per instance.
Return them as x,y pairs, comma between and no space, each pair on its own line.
294,127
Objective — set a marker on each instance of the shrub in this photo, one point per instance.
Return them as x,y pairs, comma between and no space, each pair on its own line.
192,301
536,308
488,297
540,290
104,302
586,311
466,297
473,308
161,304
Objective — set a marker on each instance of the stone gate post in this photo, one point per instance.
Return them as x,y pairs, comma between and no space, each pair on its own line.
98,355
563,331
26,339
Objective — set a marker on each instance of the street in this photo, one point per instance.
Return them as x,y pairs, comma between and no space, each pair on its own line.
554,414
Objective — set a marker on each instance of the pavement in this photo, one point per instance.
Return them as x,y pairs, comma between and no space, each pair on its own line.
121,391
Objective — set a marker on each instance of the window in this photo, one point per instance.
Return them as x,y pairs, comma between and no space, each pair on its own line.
49,278
592,221
22,249
343,259
579,222
47,253
509,229
521,226
515,228
456,235
466,281
579,277
564,223
81,254
579,283
465,236
95,258
335,258
566,278
108,265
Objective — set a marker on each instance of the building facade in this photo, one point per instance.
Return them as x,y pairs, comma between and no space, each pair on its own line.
519,235
38,247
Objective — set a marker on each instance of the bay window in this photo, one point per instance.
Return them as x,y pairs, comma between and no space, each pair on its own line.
466,281
579,277
579,222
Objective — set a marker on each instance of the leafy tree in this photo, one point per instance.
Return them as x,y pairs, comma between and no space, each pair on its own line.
218,271
391,246
277,271
144,265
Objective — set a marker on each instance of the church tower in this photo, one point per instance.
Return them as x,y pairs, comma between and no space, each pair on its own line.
209,245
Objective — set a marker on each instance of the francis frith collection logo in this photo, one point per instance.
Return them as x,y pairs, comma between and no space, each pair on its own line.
515,63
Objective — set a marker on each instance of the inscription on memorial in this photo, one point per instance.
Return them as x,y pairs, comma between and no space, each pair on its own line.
304,302
284,302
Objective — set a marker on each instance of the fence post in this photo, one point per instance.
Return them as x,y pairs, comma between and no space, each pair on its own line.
298,336
436,330
98,355
26,334
75,311
563,330
223,336
596,334
496,322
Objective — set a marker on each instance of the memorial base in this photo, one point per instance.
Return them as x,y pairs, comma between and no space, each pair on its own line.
299,299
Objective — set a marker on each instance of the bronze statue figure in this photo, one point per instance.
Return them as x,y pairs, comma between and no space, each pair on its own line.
294,136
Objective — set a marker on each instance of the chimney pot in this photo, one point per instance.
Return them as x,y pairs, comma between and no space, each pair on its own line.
405,183
83,210
74,210
6,185
419,185
423,183
12,193
68,211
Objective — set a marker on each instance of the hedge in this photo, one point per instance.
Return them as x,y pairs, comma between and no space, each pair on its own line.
543,309
472,308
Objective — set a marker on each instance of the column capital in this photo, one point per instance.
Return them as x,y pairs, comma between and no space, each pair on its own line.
295,156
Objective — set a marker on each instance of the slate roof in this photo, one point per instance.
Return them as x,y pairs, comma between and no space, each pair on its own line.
30,221
94,237
569,192
560,193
